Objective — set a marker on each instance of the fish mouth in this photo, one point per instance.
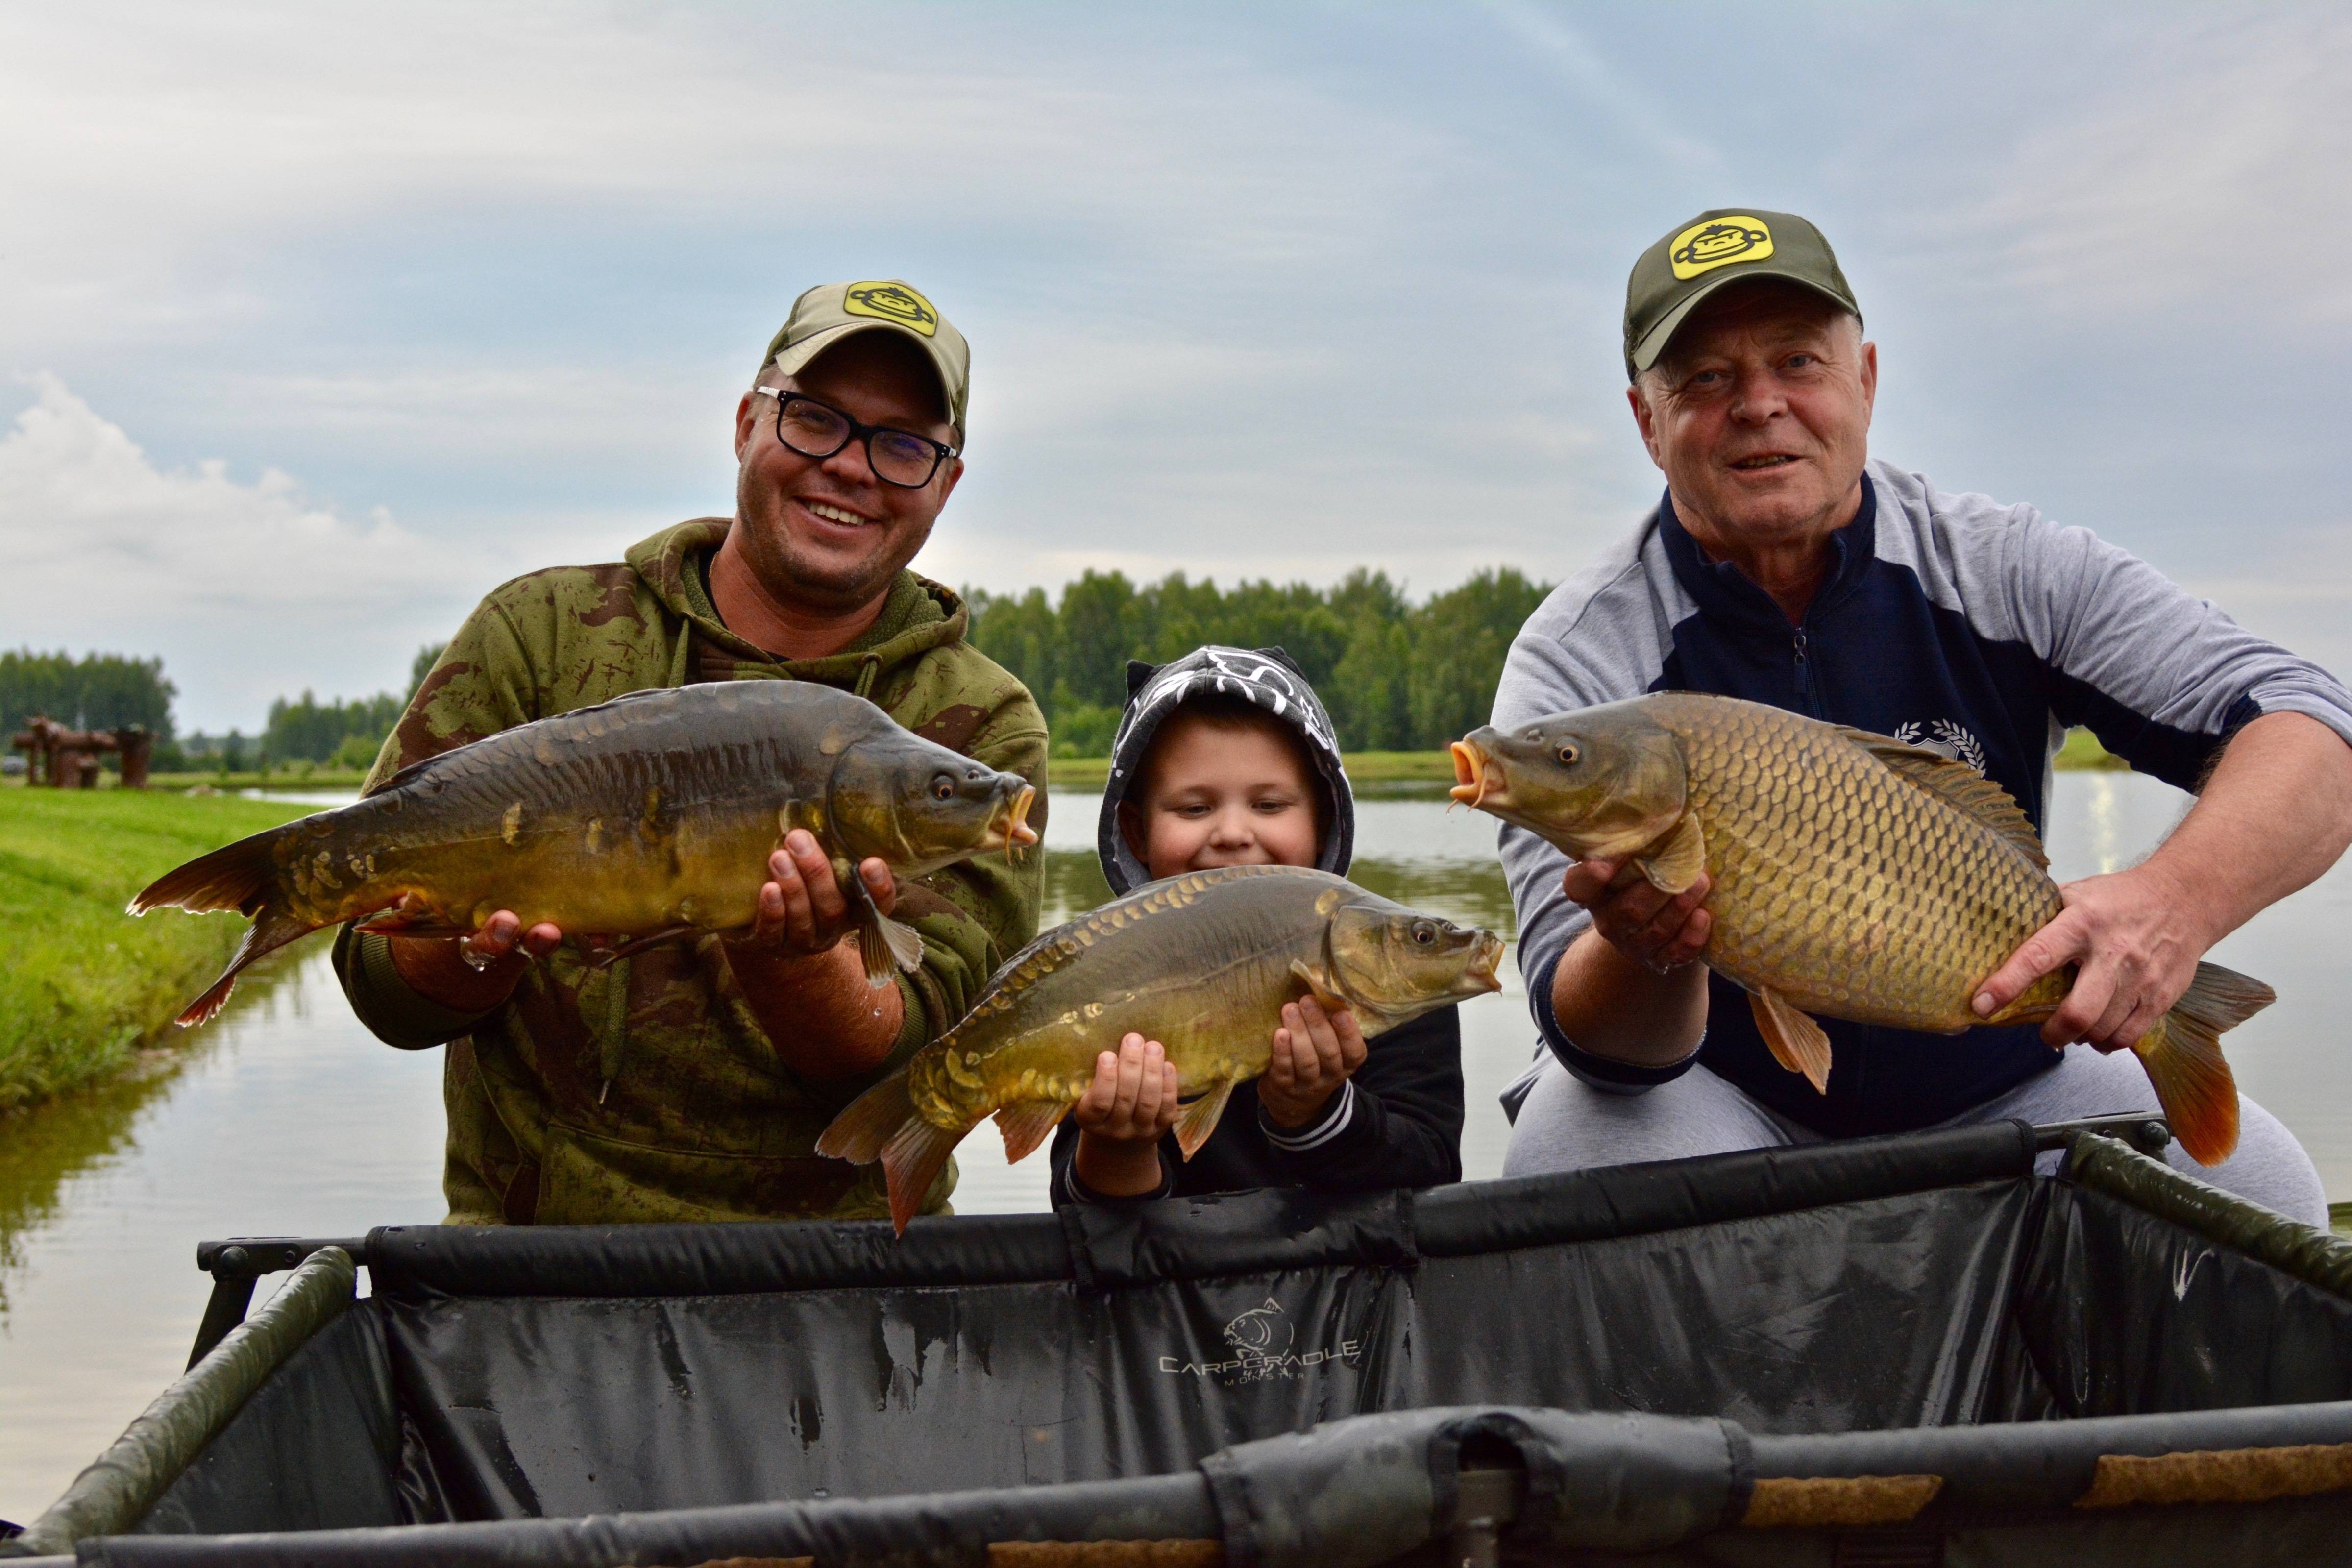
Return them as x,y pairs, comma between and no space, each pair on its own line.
1474,779
1012,831
1483,968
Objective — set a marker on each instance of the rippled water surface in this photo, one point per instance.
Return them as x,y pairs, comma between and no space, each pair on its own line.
287,1118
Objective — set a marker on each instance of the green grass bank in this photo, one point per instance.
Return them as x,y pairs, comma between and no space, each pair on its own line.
84,985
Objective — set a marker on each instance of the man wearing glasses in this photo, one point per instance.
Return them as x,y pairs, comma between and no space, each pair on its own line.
690,1082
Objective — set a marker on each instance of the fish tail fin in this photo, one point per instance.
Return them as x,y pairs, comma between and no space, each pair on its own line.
911,1161
2183,1057
1025,1125
868,1123
235,876
271,929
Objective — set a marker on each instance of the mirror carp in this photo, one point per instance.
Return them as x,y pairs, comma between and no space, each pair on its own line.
1854,877
651,816
1202,962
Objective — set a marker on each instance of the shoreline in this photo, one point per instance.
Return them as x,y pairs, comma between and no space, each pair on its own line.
88,988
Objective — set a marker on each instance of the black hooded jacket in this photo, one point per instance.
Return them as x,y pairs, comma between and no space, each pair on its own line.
1398,1122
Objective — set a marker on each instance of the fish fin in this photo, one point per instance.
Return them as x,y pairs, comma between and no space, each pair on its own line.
235,876
886,946
866,1124
271,929
911,1161
1958,786
2183,1057
1317,986
397,922
1025,1125
609,956
1680,860
1200,1119
1798,1042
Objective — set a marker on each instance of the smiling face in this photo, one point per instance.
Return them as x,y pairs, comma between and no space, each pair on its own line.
1221,791
1759,415
822,535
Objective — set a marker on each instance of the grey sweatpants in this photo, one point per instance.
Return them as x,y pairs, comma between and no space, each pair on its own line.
1566,1124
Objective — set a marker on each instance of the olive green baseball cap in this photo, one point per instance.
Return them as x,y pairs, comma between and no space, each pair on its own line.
831,312
1721,247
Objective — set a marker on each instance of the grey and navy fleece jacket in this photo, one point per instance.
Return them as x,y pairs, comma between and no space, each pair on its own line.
1398,1122
1954,621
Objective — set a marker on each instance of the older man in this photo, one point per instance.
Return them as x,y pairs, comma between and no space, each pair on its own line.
691,1082
1785,566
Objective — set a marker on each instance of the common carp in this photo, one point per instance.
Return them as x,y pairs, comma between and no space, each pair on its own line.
1202,962
651,816
1854,877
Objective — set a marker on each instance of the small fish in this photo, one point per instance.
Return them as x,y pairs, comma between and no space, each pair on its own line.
651,816
1202,962
1854,877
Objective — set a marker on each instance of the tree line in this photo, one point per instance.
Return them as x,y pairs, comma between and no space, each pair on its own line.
344,733
1396,674
96,691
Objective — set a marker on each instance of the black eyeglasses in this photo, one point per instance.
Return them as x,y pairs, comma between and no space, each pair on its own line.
816,429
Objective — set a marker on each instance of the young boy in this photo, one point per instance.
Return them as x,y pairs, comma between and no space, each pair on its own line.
1225,757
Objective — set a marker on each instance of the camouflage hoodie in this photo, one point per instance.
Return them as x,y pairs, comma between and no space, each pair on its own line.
646,1091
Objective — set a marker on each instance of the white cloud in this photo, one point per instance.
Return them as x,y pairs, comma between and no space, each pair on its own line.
248,589
2213,173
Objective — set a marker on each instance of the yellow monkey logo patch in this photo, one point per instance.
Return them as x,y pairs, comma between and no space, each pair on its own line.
1704,247
892,302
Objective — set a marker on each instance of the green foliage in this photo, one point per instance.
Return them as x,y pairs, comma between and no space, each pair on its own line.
85,985
1396,676
345,733
98,692
310,730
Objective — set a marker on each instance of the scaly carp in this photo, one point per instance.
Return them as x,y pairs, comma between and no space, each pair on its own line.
1202,962
1854,877
651,816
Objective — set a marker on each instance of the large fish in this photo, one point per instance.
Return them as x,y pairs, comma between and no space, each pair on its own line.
1854,877
1202,962
651,816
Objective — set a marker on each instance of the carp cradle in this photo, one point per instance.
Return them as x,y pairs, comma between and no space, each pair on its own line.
1889,1350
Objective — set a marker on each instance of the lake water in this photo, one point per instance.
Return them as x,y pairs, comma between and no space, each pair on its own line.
285,1118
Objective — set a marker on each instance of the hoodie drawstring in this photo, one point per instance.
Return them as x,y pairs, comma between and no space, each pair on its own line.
867,668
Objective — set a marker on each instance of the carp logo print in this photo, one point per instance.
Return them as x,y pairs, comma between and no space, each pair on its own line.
887,302
1704,247
1945,739
1261,1340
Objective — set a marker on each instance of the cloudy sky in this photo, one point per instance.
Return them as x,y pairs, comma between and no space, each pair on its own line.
316,321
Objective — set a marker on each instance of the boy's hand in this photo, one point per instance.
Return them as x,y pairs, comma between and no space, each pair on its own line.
1122,1116
1314,1053
1133,1097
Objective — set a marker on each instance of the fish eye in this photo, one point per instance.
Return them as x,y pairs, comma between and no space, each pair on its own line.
943,787
1568,756
1423,934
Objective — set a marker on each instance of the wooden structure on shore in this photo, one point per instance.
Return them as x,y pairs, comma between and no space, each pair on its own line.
60,758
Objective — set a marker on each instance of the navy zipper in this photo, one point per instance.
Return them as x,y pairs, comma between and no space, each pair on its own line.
1805,674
